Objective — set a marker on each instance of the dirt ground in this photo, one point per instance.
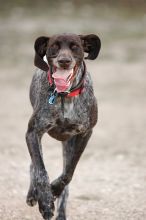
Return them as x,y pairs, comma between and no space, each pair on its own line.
110,179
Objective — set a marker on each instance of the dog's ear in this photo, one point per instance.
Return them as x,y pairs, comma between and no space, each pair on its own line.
40,47
91,45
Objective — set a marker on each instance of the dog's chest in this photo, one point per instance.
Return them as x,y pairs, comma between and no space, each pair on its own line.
77,116
68,109
72,122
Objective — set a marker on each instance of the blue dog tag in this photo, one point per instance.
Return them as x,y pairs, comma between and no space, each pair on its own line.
52,98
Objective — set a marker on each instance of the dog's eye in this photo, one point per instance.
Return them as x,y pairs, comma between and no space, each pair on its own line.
74,47
55,46
53,50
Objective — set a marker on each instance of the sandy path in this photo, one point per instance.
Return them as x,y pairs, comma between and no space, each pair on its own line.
110,180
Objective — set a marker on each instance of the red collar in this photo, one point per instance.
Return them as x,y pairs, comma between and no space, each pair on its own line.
75,92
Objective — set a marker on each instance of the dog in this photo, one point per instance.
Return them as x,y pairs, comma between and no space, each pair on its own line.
64,106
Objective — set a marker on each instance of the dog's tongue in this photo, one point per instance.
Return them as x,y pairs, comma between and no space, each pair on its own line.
62,79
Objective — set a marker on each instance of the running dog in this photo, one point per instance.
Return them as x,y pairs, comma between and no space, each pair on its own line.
64,106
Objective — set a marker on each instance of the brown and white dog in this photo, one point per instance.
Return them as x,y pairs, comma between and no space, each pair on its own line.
65,107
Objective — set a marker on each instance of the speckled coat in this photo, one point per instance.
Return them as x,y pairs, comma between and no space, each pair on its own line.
80,113
73,126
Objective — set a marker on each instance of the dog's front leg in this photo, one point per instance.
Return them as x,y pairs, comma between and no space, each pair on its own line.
40,180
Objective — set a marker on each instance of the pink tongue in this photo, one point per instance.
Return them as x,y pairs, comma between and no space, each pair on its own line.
62,79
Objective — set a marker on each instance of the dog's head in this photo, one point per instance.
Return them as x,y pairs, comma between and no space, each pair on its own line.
65,52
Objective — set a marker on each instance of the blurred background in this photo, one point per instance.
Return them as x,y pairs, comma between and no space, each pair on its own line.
110,180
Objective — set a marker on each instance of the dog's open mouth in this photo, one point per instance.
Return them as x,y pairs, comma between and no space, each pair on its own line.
63,79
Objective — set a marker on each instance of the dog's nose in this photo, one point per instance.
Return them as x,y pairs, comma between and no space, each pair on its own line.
64,61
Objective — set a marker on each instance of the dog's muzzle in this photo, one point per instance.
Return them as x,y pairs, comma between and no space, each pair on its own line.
62,79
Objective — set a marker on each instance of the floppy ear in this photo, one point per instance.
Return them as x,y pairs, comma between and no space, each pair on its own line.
91,45
40,47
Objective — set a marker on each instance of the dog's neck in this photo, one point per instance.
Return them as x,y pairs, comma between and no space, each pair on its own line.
75,89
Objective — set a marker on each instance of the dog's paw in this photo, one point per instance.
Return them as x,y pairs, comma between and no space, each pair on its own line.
46,207
57,186
32,197
45,198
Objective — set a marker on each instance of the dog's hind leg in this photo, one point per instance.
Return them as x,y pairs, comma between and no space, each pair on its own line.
72,151
61,204
62,200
